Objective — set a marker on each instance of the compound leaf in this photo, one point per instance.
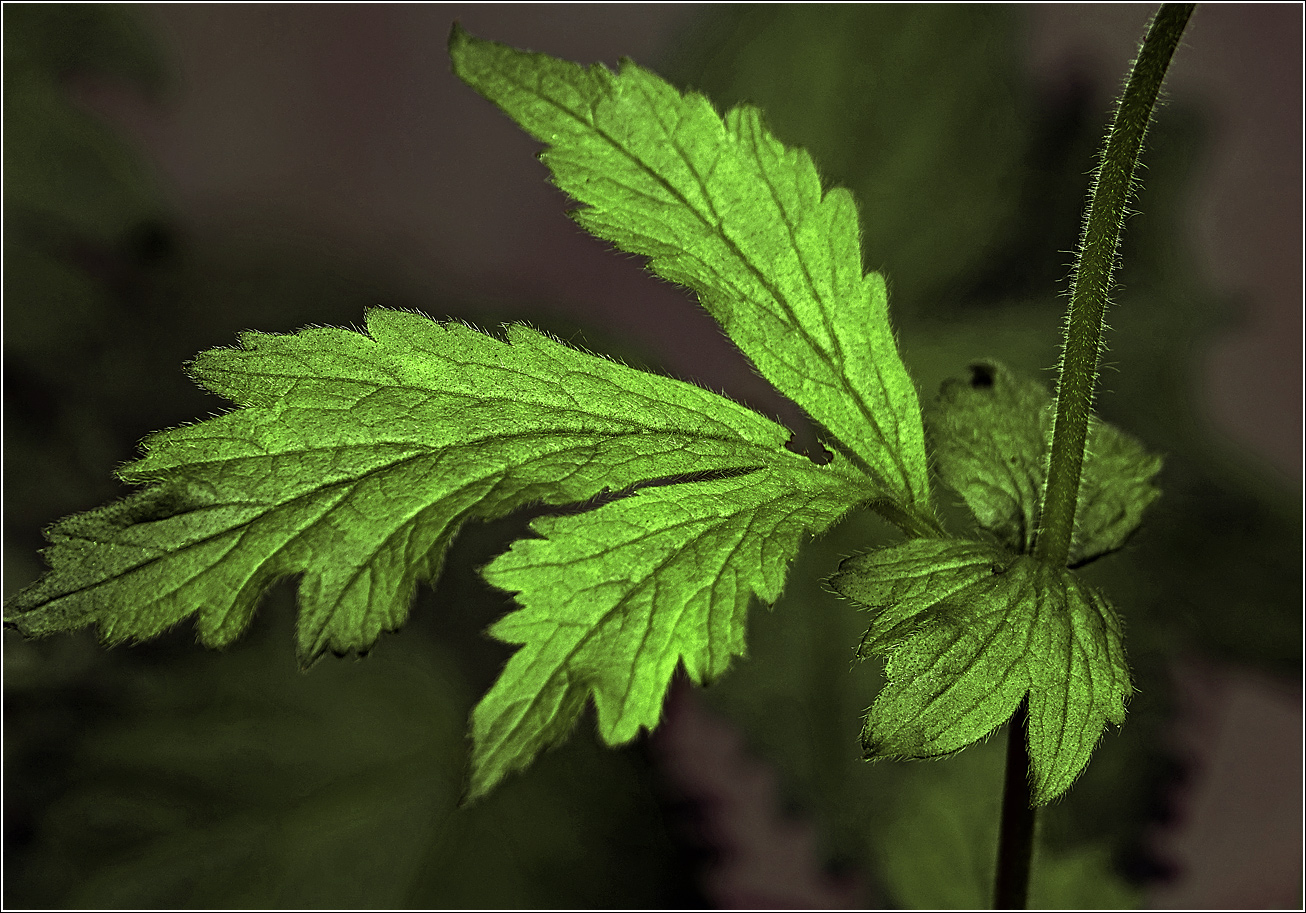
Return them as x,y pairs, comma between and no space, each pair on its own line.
990,435
968,630
354,463
720,206
614,599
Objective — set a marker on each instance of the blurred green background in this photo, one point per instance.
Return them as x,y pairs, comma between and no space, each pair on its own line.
174,175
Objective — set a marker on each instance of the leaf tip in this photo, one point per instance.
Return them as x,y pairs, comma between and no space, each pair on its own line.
486,772
460,40
458,36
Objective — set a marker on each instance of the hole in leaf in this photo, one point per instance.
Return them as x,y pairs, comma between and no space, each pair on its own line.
981,377
807,445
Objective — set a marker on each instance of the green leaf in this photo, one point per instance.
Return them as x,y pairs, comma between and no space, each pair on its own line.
990,435
614,599
968,630
1115,490
355,462
720,206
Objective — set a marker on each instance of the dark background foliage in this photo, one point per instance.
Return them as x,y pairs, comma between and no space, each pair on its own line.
176,174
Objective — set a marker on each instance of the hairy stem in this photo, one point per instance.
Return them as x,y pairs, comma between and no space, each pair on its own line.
1090,285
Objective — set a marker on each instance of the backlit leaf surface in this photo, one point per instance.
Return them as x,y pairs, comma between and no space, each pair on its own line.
614,599
990,434
720,206
355,461
968,630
